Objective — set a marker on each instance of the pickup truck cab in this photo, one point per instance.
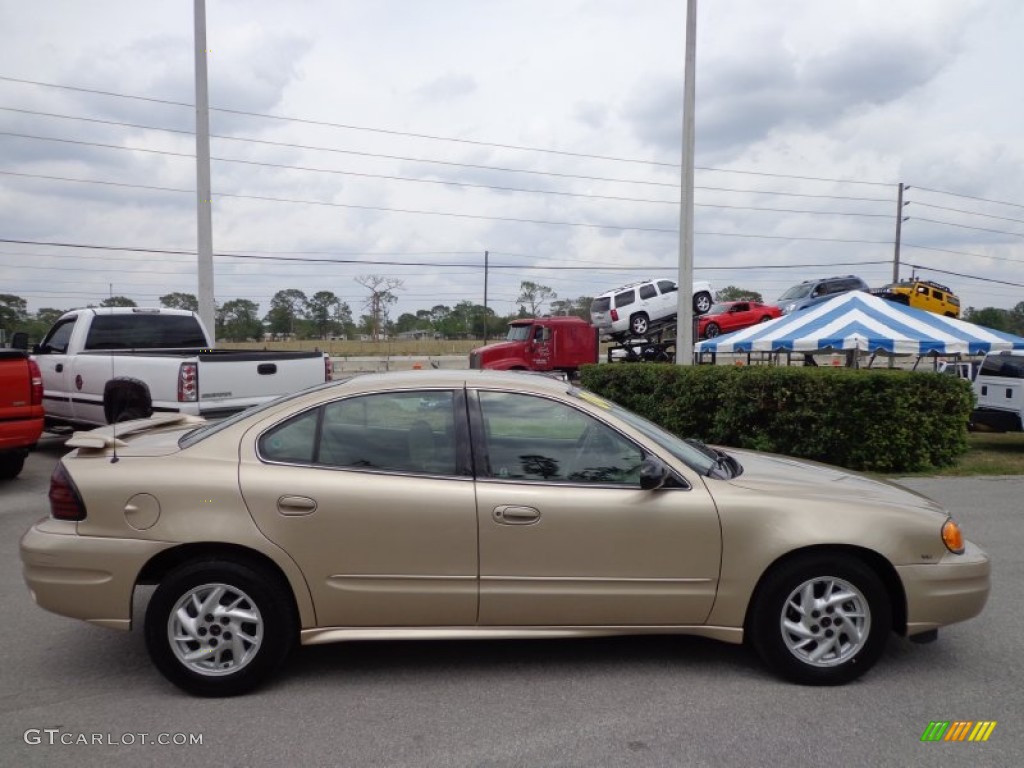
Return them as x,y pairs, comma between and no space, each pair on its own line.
541,344
21,410
112,364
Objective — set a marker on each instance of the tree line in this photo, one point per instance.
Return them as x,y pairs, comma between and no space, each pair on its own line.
294,315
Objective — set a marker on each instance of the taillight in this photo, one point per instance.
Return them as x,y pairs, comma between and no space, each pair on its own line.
615,315
328,368
188,383
37,382
65,501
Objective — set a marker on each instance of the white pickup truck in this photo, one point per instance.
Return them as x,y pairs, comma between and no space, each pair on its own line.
999,388
105,365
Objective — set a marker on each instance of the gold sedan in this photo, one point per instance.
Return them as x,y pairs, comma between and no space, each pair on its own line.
444,504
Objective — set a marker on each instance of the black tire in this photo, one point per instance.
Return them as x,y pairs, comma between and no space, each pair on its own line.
11,465
702,303
711,330
639,324
767,319
787,648
262,630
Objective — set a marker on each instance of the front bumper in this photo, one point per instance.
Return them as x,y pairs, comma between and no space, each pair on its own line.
954,589
85,577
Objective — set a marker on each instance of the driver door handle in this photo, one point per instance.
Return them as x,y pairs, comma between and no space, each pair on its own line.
511,514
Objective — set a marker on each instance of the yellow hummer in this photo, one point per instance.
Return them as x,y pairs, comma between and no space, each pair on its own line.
923,294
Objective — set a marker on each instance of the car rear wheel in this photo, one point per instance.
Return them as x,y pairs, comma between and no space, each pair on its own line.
821,619
639,324
218,628
702,302
712,330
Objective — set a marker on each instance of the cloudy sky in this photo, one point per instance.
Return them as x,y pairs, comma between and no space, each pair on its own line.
406,139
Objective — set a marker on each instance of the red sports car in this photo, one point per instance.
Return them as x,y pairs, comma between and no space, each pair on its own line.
732,316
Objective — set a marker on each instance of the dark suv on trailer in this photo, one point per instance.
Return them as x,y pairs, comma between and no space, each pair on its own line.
812,292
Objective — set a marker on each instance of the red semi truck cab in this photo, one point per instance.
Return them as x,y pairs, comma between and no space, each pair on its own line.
541,344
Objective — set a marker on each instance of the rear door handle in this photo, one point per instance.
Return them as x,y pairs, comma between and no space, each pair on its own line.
296,505
510,514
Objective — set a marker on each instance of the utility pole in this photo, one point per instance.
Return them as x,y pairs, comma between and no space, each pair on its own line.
899,230
684,308
486,258
204,203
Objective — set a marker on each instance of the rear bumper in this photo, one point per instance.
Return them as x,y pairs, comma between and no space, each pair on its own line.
20,433
85,577
954,589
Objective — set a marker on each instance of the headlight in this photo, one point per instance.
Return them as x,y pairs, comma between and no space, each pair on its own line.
953,537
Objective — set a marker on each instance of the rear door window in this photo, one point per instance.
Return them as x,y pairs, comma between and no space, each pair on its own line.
647,292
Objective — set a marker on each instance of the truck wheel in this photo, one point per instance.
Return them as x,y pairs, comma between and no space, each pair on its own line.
639,324
11,465
219,628
712,330
702,302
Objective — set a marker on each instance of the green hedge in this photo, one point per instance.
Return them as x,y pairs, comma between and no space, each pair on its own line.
874,420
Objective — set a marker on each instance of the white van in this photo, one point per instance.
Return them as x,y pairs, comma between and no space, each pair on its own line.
999,387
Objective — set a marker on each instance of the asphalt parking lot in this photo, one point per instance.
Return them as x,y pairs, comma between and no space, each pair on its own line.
73,694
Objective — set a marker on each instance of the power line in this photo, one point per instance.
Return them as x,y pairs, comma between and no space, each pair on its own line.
968,277
433,181
969,197
437,138
969,213
962,253
965,226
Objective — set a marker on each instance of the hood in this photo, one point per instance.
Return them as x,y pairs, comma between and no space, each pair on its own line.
500,349
775,474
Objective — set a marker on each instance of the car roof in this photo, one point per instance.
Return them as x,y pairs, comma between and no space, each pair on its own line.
456,378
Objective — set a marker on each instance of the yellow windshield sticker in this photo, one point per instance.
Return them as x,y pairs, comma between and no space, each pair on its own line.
593,399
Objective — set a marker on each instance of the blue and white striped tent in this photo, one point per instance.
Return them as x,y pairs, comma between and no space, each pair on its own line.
860,321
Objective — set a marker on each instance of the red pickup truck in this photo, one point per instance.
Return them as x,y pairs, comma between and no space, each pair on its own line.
21,410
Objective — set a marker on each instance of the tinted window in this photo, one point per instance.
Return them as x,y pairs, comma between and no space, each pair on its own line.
532,438
1006,366
292,441
602,304
142,331
667,286
647,292
401,431
797,292
625,298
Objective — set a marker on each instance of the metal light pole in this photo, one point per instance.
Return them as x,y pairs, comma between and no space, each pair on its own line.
684,309
204,204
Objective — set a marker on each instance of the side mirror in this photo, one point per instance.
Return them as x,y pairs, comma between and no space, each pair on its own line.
653,474
19,340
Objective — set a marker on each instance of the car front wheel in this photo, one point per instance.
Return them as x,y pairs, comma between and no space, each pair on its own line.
821,620
217,628
712,330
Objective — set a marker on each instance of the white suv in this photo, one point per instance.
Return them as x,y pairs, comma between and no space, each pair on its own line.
638,308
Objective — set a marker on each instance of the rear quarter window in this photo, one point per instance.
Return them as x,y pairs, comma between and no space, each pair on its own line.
625,298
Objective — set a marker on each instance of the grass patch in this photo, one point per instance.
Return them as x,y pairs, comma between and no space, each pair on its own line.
988,453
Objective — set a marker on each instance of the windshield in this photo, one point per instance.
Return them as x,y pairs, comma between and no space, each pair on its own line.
518,332
797,292
718,309
686,453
